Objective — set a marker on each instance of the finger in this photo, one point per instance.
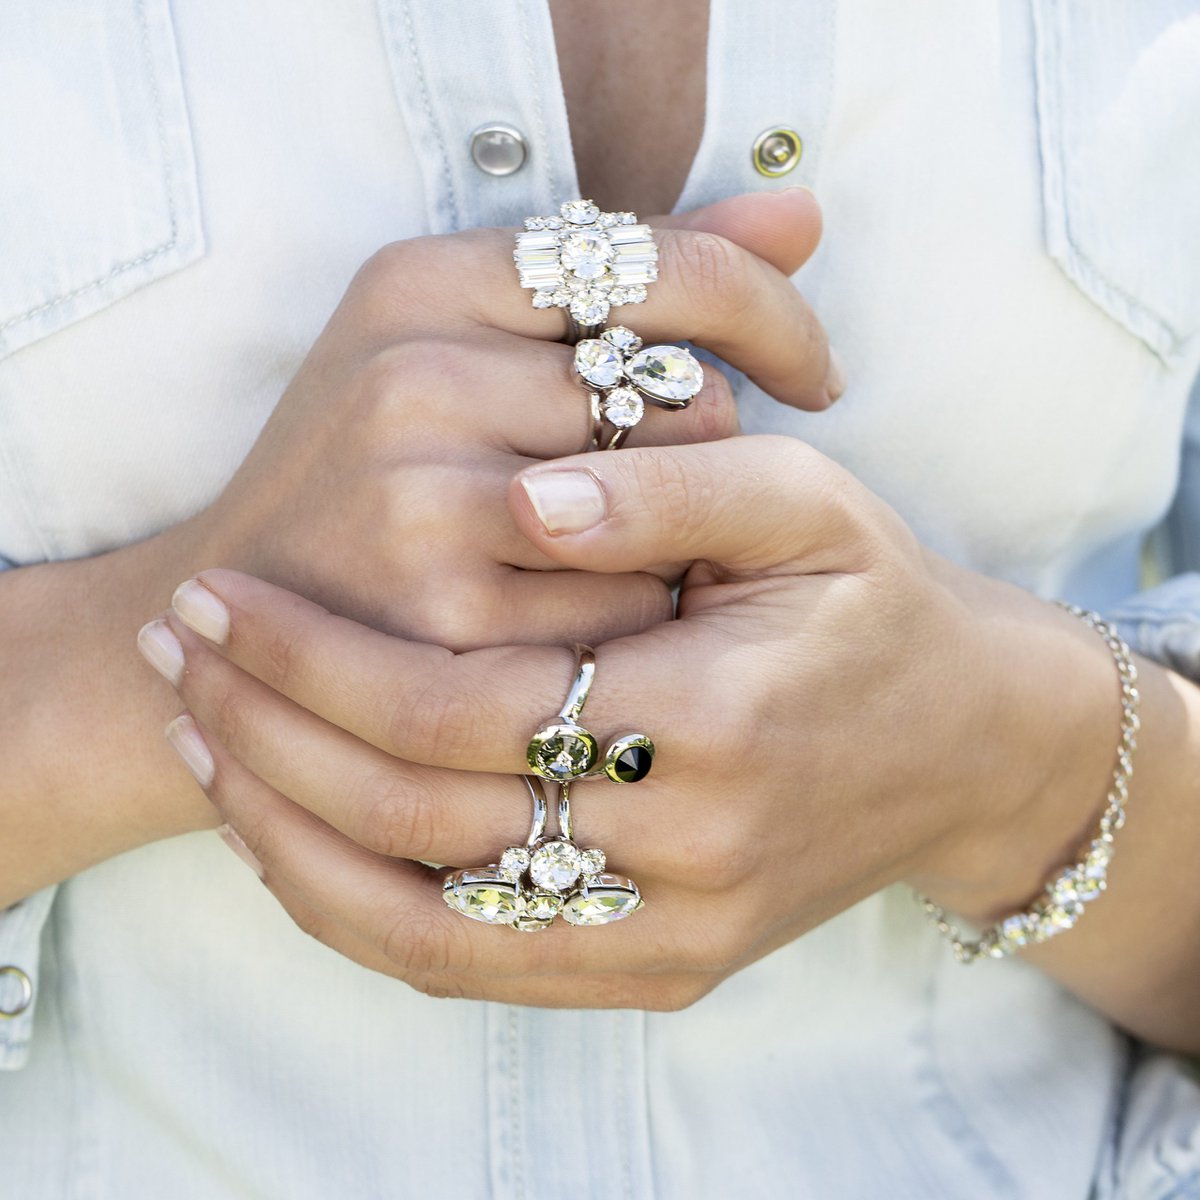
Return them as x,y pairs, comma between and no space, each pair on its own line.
395,907
709,290
525,399
474,711
782,228
394,808
751,504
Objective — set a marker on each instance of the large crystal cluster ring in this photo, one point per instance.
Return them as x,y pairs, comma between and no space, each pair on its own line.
621,374
547,877
586,261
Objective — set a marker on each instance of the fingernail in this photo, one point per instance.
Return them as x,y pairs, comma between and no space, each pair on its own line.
798,187
185,739
161,649
835,376
230,837
200,610
565,501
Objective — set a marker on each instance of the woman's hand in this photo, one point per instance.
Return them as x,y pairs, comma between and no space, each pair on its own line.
834,710
377,486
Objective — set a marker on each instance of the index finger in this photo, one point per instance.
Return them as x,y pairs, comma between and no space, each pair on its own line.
710,291
474,711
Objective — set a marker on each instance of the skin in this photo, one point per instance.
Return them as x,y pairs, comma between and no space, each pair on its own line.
381,432
967,776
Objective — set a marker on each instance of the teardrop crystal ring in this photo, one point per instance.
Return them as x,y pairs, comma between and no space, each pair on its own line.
563,750
625,374
586,261
548,877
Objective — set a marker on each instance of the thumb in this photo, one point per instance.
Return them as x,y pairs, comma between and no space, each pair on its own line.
754,505
782,228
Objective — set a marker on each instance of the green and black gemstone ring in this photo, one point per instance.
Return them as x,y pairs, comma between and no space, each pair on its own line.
563,750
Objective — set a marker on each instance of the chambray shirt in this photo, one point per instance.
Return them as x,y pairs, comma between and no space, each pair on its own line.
1011,272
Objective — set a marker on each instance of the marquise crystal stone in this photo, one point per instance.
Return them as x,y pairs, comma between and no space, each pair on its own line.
555,865
491,901
609,898
667,373
598,362
623,407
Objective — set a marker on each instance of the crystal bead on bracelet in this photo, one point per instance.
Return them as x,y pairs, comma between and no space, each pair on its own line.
1065,897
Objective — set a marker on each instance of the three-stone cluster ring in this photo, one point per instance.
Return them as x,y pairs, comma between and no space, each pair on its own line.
620,375
550,875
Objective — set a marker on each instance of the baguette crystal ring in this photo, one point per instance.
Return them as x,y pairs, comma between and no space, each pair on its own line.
621,374
586,261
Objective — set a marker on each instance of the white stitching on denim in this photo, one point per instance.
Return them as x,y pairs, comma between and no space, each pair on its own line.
168,184
542,137
426,104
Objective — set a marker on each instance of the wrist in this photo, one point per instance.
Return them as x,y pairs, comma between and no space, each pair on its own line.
1047,741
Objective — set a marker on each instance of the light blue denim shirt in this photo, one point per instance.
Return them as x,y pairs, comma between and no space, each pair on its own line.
1011,272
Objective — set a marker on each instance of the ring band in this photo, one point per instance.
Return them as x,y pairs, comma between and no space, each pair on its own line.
586,261
625,374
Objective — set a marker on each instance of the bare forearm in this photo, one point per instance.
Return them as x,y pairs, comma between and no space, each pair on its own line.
84,777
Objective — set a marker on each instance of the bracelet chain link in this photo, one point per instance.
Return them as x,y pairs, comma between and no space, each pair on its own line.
1065,897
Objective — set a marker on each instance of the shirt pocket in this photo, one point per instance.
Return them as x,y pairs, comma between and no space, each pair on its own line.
97,173
1118,95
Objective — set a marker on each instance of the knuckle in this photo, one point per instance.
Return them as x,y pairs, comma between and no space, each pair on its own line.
418,945
675,995
664,488
717,854
715,272
460,614
394,815
715,410
436,725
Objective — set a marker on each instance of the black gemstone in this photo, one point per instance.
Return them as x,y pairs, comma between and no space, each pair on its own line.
632,764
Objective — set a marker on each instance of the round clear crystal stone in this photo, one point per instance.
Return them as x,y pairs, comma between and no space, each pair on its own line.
623,407
580,212
563,754
598,362
543,300
592,862
585,254
668,373
589,308
624,339
514,862
555,865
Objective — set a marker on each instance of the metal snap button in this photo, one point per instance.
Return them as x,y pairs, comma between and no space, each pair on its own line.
498,149
777,151
24,991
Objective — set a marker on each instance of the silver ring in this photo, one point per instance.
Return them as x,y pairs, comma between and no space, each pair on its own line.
586,261
547,877
625,374
562,750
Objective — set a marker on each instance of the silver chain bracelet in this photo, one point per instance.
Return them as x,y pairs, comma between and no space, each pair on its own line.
1064,898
